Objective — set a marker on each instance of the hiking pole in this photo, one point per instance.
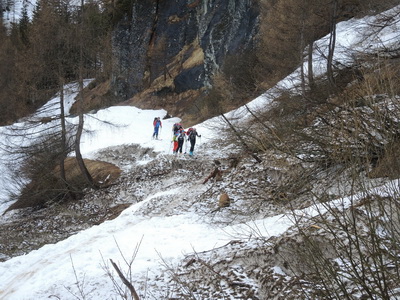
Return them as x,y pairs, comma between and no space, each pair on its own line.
170,146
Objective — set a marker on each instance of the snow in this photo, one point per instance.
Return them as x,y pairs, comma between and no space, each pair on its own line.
56,270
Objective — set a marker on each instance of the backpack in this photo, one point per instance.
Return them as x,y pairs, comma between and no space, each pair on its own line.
192,135
189,131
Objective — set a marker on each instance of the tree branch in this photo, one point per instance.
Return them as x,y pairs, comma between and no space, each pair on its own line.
125,281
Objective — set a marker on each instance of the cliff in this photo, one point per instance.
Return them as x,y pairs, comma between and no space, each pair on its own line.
166,52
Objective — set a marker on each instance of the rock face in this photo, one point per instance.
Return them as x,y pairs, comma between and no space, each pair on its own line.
173,47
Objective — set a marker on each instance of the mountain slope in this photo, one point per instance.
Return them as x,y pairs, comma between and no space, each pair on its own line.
188,247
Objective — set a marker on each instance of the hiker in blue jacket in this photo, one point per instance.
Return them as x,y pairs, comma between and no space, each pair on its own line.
157,125
192,133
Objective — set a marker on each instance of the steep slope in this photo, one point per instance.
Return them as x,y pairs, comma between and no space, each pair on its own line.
172,48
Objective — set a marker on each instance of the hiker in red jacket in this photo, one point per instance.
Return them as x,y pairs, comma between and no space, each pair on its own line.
179,139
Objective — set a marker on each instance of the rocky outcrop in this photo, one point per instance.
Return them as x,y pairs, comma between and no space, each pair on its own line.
172,48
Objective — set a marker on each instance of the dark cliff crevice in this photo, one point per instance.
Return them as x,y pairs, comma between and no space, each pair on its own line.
155,22
150,53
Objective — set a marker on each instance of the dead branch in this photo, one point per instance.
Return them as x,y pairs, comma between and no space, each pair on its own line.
125,281
246,147
215,173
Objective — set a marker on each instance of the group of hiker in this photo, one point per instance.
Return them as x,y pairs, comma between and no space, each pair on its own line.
179,134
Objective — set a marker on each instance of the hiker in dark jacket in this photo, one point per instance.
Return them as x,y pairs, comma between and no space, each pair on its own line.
192,139
180,137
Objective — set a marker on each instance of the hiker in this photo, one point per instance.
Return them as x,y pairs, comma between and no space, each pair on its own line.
180,138
157,125
176,127
175,143
192,133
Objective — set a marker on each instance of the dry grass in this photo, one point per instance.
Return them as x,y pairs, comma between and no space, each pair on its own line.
95,98
102,172
43,191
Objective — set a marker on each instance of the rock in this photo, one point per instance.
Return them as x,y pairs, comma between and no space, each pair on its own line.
224,200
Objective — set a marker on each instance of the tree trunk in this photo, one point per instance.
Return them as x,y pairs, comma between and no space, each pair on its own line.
63,135
301,57
332,42
79,130
310,74
78,154
64,146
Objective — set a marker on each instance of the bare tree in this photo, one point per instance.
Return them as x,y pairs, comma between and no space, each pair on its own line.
80,100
